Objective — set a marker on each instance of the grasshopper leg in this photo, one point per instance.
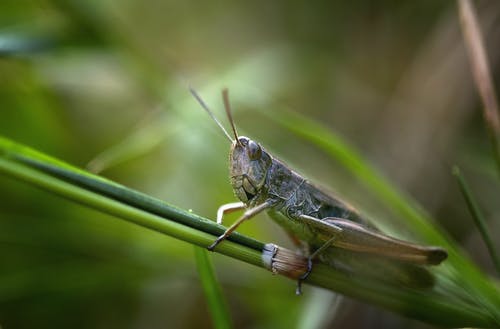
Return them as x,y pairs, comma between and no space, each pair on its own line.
326,245
227,209
328,227
325,226
247,215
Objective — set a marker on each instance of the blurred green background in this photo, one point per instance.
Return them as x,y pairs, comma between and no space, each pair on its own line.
104,85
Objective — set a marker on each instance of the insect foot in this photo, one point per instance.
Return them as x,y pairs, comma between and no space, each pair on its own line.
214,244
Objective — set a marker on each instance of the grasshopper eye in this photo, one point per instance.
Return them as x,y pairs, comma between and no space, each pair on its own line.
253,150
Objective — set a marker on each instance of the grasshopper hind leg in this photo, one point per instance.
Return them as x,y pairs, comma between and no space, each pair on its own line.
298,290
326,245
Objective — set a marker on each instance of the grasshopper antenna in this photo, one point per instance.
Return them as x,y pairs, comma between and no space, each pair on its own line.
227,106
205,107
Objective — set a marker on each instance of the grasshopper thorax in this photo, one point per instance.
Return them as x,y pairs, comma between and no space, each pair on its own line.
249,165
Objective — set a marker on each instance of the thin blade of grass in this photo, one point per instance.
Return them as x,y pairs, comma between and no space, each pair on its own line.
438,305
147,136
477,216
481,72
320,308
115,191
213,292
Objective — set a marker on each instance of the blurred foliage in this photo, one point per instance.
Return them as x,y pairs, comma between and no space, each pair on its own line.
107,81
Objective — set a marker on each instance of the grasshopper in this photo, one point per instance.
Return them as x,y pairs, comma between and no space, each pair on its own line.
322,225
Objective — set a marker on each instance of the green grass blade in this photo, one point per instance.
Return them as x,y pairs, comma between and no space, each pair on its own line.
116,191
477,216
320,308
212,290
439,305
146,137
29,168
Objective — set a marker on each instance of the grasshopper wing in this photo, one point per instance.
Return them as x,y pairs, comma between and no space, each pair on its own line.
356,237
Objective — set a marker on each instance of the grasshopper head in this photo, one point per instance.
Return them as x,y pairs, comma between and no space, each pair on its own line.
249,164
